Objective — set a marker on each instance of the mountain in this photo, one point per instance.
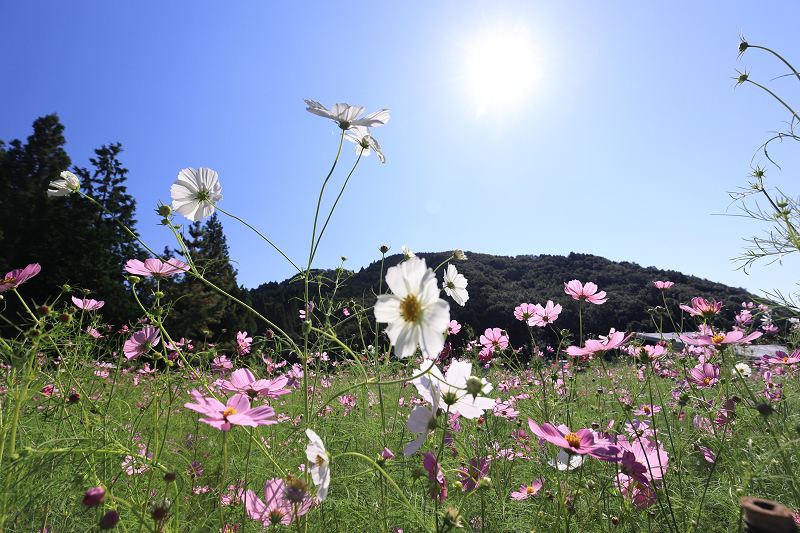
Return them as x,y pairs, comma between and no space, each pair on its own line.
498,284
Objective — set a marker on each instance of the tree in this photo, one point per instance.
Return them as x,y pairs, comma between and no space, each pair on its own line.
198,311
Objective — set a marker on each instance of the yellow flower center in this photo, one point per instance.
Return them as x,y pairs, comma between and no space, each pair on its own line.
717,339
529,490
573,440
275,516
410,308
11,279
646,408
228,412
785,359
320,461
707,381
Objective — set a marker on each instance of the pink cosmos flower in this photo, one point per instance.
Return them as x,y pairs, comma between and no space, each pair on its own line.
781,358
244,382
663,285
586,292
525,312
236,412
435,474
276,508
581,442
154,267
18,276
453,327
704,375
700,307
545,315
647,410
141,342
243,342
88,304
526,491
718,339
494,338
614,339
471,475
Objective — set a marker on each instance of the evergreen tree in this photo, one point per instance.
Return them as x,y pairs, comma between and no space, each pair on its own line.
199,312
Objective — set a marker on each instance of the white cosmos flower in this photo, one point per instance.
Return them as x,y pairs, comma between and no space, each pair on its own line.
364,141
415,313
320,467
455,285
451,389
420,421
407,253
567,462
743,369
346,115
68,184
195,193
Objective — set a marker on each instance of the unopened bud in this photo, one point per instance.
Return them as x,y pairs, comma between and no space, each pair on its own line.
306,327
134,279
474,386
109,520
159,513
164,210
486,483
764,409
383,249
65,317
43,310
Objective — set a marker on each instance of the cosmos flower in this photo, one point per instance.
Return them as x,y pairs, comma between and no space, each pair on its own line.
452,389
68,183
471,475
543,316
743,369
581,442
155,267
420,421
700,307
407,253
243,342
495,339
614,339
364,142
18,276
320,467
704,375
87,304
236,412
195,193
586,292
781,358
346,115
415,313
455,285
525,312
436,475
141,342
718,339
276,508
453,327
244,382
663,285
565,461
526,491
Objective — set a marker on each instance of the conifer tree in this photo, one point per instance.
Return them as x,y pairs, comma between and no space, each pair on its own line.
199,312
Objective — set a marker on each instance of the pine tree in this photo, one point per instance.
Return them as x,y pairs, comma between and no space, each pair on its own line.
199,312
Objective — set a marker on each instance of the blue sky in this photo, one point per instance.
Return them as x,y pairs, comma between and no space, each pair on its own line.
617,132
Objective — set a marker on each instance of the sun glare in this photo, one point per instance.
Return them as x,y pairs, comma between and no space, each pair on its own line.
501,69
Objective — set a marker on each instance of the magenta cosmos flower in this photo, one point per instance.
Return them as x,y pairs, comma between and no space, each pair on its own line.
704,375
663,285
718,339
545,315
781,358
580,442
586,292
244,382
438,488
155,267
276,508
236,412
18,276
87,304
700,307
471,475
141,342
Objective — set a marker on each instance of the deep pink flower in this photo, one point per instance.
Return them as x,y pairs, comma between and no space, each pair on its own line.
545,315
435,474
732,337
88,304
236,412
276,508
471,475
154,267
586,292
580,442
244,382
704,375
663,285
494,338
700,307
526,491
781,358
141,342
94,496
387,454
17,277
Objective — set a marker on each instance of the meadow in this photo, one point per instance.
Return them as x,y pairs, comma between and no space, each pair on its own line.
414,425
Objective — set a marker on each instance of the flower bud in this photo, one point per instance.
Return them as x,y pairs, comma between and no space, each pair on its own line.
170,476
94,496
159,513
764,409
164,210
109,520
383,249
486,483
75,397
269,334
134,279
306,327
474,386
65,317
43,310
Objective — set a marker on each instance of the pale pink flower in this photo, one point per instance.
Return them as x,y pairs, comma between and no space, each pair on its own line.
243,342
155,267
88,304
718,339
526,491
704,375
782,358
495,339
18,276
525,312
236,412
700,307
586,292
663,285
276,508
614,339
244,382
141,342
543,316
581,442
453,327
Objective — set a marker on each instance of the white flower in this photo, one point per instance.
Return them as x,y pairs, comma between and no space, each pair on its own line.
407,253
195,193
420,421
460,255
364,141
451,389
415,313
320,467
347,115
455,285
567,462
743,369
69,184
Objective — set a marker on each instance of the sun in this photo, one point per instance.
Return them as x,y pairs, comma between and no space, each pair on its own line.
501,69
